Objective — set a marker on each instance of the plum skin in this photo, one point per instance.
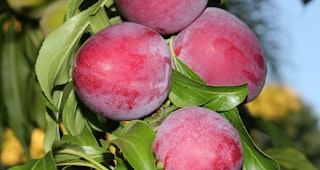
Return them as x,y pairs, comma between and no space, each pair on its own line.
223,51
166,17
198,138
123,72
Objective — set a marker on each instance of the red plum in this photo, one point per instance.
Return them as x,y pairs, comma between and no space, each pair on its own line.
223,51
123,72
166,16
198,138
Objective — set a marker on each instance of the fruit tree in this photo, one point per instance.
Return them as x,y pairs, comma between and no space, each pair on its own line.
135,85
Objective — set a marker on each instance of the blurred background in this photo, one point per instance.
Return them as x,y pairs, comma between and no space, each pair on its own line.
288,31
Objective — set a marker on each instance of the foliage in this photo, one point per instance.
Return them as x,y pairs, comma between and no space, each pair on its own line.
19,48
36,87
294,119
302,128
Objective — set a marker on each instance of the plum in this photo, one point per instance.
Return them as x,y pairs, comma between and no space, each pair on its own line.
166,17
198,138
123,72
223,51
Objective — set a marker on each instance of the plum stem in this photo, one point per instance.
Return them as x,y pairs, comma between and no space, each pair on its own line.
157,118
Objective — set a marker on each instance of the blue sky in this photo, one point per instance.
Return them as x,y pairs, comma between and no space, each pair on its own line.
300,27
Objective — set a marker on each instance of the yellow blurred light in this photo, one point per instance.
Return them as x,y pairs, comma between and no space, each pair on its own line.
36,145
274,102
12,150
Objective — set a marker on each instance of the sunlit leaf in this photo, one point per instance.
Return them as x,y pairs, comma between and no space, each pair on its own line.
135,142
53,65
186,92
99,21
72,8
253,157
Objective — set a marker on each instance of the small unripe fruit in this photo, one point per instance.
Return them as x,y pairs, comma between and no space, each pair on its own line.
123,72
223,51
197,138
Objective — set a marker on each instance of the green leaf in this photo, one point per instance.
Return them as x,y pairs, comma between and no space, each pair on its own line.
32,42
122,164
37,108
53,63
136,144
66,153
187,92
72,117
73,7
290,158
253,157
223,1
52,130
99,21
85,138
15,80
45,163
99,154
274,134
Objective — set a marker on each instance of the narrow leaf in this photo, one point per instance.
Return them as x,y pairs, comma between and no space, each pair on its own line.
15,80
99,21
53,65
72,117
52,130
73,6
32,42
37,108
253,157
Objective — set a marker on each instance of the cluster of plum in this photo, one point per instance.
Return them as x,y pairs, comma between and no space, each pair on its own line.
123,72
